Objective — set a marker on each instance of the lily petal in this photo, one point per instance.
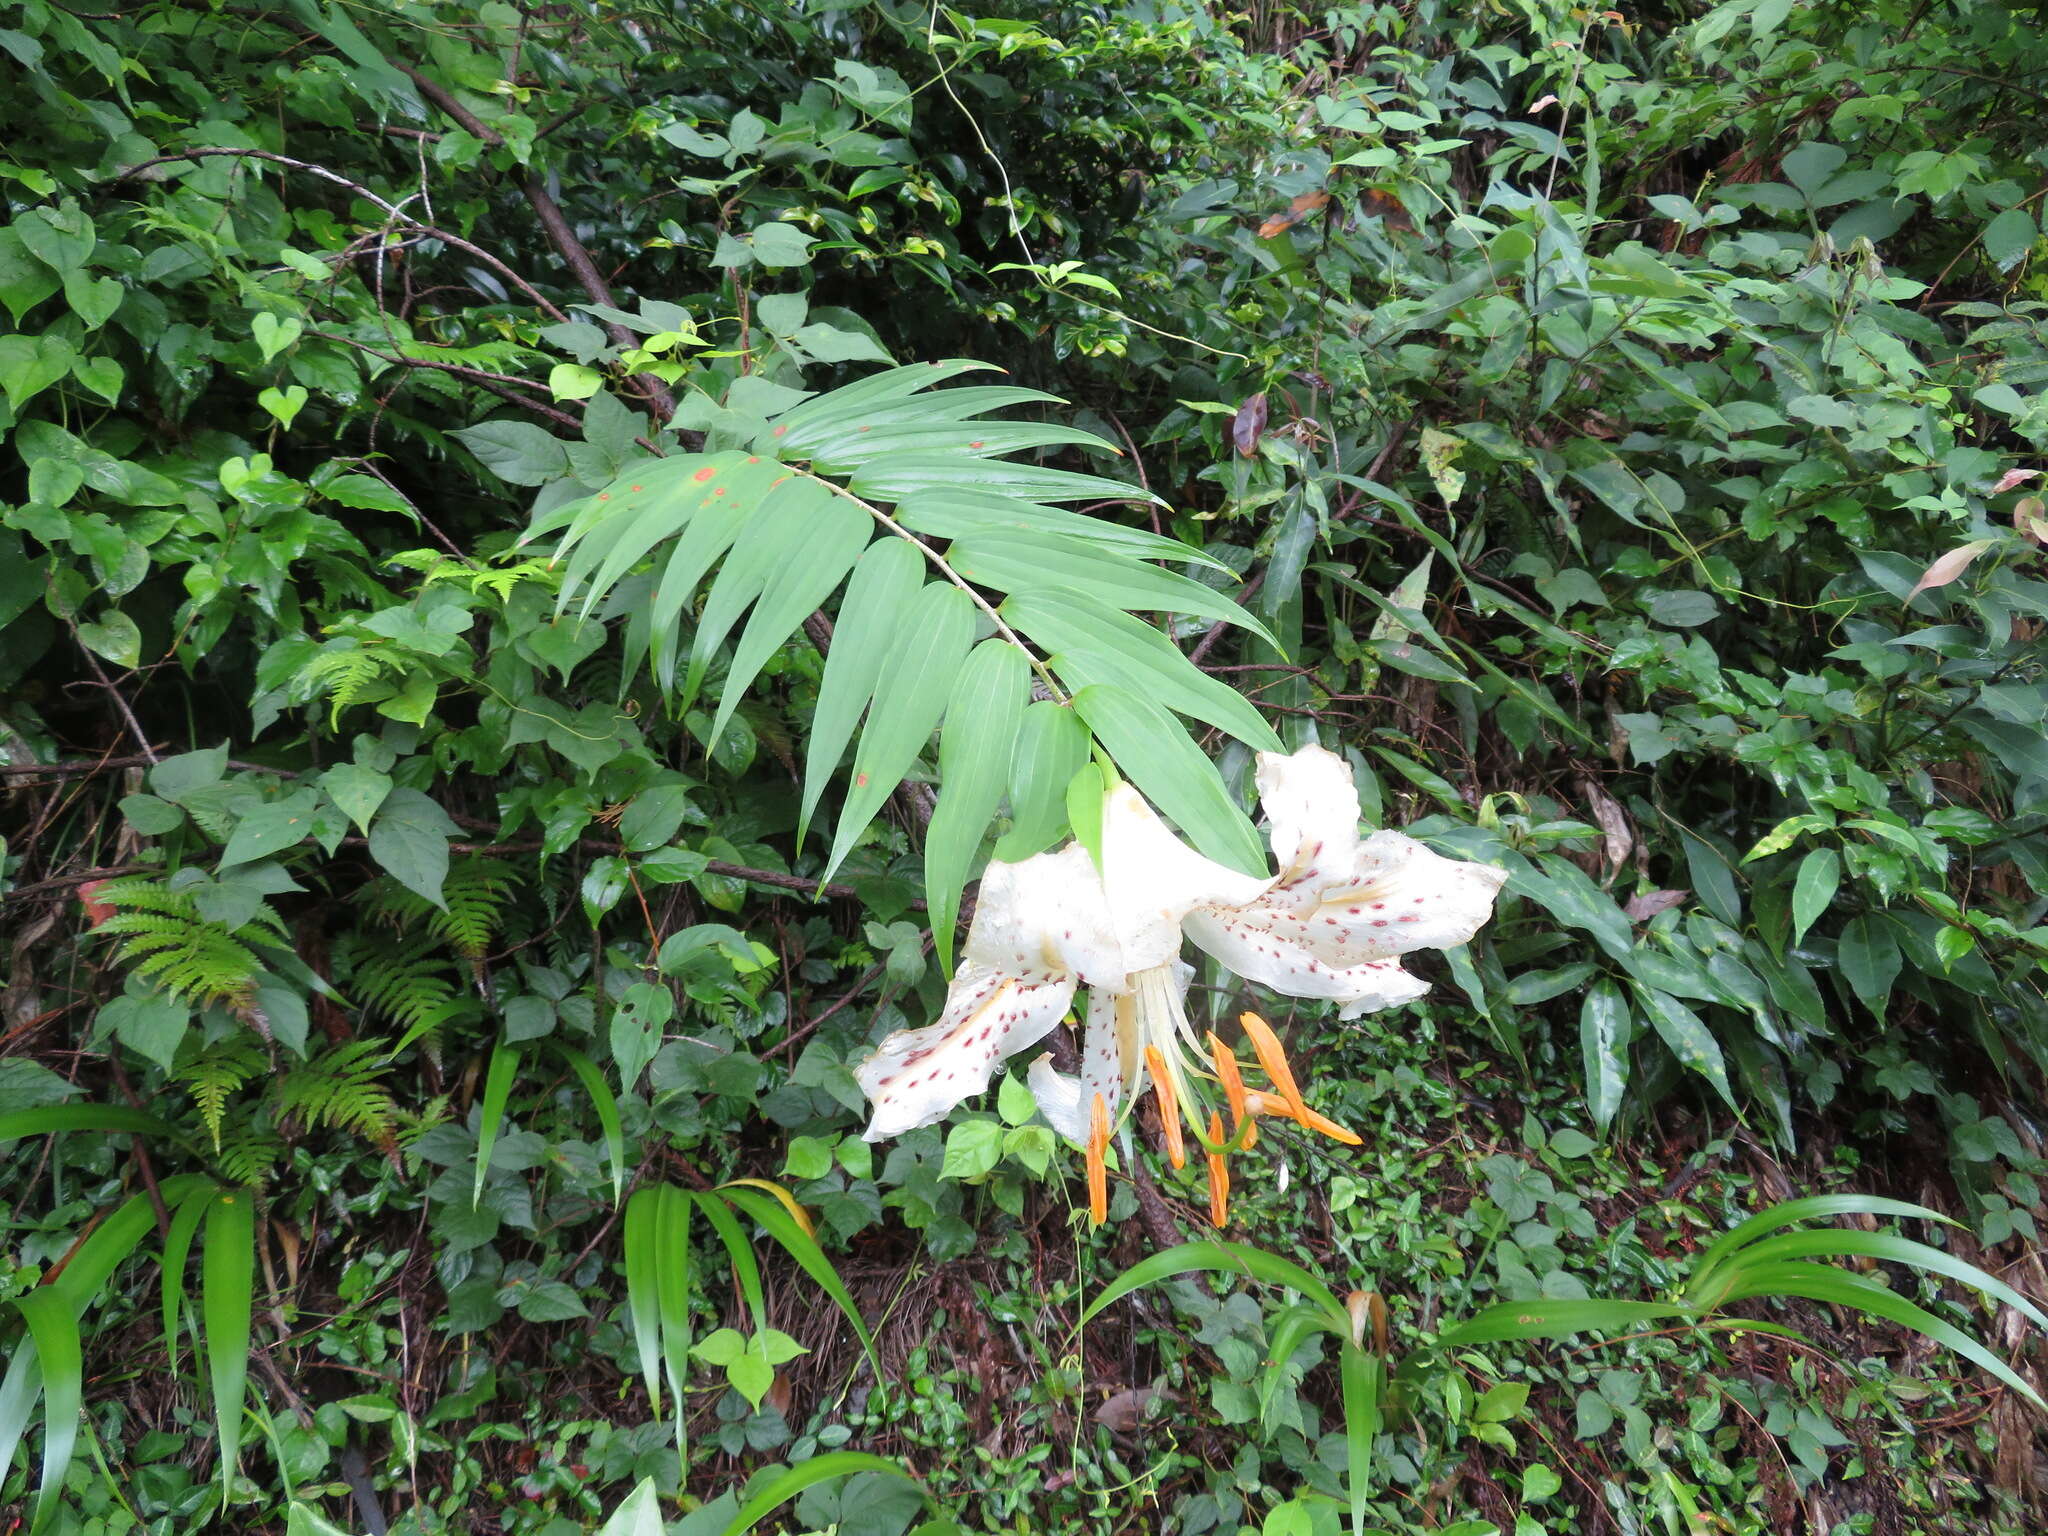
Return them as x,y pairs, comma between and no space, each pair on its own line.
1153,880
1272,949
1066,1102
1045,916
1311,806
1403,897
915,1076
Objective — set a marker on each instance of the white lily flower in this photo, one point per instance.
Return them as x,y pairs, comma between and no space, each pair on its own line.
1332,924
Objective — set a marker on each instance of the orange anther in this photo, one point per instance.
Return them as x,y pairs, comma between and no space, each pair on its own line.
1233,1086
1169,1107
1098,1167
1219,1176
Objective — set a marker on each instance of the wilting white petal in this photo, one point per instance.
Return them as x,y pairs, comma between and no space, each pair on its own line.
1108,1062
1311,808
1045,916
916,1075
1153,879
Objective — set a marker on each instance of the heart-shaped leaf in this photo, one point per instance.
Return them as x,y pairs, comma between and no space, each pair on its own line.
274,335
284,404
115,637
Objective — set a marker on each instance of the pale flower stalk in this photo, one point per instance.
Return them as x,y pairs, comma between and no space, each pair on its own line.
1332,923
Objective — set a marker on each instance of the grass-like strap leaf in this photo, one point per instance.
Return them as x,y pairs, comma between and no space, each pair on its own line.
1836,1242
1225,1259
1283,1337
60,1361
786,1485
639,1242
186,1215
1791,1213
958,516
745,1267
606,1106
673,1263
885,579
1555,1320
1818,1282
1052,746
491,1109
1364,1378
1092,642
803,1247
19,1389
931,637
227,1284
1030,561
108,1245
1172,773
807,541
975,754
48,1119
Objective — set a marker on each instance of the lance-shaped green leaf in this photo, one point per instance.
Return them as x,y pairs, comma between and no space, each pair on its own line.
792,555
1030,561
849,402
885,580
1604,1023
1146,743
227,1282
975,754
1052,747
868,441
903,475
60,1361
963,516
1092,642
932,636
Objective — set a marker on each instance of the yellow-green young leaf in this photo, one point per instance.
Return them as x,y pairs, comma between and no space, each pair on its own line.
1820,872
975,755
1150,747
1052,746
227,1281
885,579
931,635
573,381
1092,642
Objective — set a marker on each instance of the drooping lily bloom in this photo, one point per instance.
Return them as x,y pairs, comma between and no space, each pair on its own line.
1331,924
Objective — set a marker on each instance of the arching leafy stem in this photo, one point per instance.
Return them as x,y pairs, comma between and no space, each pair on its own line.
964,588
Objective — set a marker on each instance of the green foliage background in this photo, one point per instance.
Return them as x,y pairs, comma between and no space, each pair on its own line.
1627,425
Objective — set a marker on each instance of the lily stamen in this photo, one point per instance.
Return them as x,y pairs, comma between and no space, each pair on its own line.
1233,1085
1098,1165
1219,1176
1169,1107
1274,1059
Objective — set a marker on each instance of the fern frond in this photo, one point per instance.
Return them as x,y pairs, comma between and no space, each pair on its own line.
342,1089
216,1072
476,892
197,960
249,1157
344,674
